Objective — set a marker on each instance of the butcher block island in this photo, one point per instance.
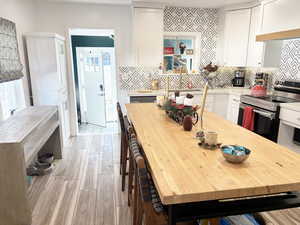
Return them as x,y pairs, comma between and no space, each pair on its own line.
184,172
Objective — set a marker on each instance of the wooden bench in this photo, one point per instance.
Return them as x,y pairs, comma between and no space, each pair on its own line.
32,131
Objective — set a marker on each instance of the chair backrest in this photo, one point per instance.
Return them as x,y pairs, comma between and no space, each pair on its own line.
121,118
142,179
147,190
134,148
128,127
127,130
140,169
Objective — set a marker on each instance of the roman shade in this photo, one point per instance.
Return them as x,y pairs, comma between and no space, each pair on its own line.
10,64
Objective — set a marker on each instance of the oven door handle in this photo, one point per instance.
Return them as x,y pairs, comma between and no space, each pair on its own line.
271,116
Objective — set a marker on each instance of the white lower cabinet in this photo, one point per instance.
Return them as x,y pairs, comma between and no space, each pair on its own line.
216,103
209,105
220,104
289,120
233,108
286,134
225,105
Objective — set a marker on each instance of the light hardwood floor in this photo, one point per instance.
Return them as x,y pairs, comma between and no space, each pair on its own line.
84,188
111,127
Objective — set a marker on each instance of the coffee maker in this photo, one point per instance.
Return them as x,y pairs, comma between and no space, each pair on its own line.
239,78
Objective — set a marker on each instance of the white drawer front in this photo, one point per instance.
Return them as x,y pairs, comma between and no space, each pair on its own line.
290,116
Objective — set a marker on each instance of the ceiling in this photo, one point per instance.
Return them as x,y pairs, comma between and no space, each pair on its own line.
197,3
182,3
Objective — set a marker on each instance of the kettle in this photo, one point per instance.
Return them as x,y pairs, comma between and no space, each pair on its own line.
258,91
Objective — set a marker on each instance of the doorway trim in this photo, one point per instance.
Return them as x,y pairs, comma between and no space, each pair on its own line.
71,78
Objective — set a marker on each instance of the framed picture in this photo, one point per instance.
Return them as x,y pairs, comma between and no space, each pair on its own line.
169,50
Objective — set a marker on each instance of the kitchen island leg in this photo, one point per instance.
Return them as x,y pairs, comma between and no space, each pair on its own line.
171,215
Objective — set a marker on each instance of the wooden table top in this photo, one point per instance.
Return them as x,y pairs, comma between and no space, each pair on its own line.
184,172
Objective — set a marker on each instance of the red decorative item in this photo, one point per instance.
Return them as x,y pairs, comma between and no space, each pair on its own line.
168,50
180,106
258,91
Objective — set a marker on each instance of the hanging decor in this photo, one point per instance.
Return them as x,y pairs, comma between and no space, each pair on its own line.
10,63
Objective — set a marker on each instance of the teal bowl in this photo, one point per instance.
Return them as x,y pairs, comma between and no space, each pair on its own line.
235,153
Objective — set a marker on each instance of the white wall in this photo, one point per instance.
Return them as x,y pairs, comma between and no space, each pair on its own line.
23,14
38,16
221,37
60,17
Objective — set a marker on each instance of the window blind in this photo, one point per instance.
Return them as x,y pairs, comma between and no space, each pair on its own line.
10,64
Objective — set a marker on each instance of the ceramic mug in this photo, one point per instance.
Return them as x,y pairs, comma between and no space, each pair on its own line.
211,138
180,100
188,101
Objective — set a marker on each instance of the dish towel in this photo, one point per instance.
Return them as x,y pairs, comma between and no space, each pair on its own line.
248,118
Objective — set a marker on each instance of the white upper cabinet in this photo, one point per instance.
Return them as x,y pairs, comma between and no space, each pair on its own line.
280,15
241,47
255,49
148,36
237,28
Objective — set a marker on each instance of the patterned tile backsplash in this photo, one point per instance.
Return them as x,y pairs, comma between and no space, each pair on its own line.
139,78
290,60
204,21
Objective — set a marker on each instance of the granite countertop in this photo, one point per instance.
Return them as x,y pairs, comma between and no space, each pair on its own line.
230,90
295,106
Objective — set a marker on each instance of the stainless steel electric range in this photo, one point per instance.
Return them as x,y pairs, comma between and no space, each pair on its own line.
267,109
